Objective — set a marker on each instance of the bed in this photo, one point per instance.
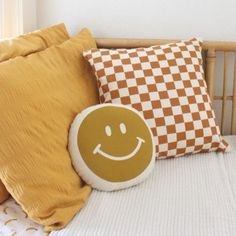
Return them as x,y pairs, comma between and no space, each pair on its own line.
191,195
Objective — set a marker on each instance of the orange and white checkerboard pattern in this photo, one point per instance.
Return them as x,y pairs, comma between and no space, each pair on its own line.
166,84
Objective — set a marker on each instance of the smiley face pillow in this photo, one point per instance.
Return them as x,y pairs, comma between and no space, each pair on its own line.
111,147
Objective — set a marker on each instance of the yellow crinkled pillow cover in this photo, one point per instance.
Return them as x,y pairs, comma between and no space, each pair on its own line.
3,193
40,96
32,42
25,45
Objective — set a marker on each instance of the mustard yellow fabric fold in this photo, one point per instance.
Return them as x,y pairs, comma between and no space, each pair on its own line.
32,42
3,192
39,97
25,45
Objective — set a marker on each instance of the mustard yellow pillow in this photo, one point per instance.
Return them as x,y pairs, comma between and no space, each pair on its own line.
25,45
40,96
32,42
3,192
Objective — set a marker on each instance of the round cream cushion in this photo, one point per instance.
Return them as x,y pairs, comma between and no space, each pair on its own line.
111,146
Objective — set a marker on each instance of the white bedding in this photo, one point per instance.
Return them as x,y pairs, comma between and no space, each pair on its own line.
187,196
14,222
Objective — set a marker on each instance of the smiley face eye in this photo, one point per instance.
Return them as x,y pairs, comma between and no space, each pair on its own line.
122,128
108,130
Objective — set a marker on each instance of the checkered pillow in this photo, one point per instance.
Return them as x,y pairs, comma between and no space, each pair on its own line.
166,84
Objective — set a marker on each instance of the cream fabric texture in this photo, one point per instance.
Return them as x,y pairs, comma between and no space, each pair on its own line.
166,85
40,96
192,195
13,221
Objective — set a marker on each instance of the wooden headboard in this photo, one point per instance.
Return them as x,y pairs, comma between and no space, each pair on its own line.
210,55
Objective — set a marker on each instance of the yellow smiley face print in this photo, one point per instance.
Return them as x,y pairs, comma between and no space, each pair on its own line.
111,146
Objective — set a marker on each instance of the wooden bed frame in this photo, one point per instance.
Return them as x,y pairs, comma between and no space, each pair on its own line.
210,50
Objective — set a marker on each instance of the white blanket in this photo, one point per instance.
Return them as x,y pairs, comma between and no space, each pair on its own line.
187,196
14,222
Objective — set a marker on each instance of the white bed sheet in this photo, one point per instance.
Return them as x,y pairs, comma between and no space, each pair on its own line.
188,196
14,222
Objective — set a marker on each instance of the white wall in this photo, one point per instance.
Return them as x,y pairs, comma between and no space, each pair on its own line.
210,19
29,15
10,18
17,17
176,19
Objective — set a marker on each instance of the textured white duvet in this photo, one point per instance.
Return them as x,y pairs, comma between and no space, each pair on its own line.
187,196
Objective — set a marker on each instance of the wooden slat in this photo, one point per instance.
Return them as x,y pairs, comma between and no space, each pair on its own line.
233,131
224,93
130,43
210,71
220,98
134,43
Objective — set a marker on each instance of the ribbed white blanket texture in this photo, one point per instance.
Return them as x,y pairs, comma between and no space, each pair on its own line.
187,196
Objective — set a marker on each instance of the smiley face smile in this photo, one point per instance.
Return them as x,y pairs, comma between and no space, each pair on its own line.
98,150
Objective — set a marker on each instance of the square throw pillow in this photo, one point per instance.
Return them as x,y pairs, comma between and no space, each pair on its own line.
25,45
166,84
40,95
